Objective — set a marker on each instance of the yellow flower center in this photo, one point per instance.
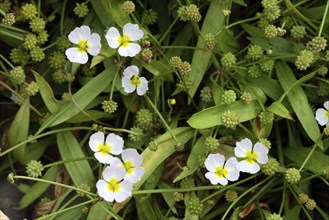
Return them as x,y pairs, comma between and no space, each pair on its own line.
83,46
327,113
104,148
129,166
113,185
124,41
135,80
251,157
221,171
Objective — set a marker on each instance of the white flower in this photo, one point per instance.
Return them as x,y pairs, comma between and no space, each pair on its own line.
112,186
86,43
131,33
219,171
322,115
251,155
131,163
104,150
131,81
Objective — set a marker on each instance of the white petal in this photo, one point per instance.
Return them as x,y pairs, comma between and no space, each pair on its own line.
105,159
261,150
95,140
79,33
116,143
130,50
233,172
127,86
133,31
94,44
246,167
116,162
124,192
132,156
75,56
215,179
112,36
135,176
214,160
103,191
242,147
130,71
326,105
117,172
321,116
143,87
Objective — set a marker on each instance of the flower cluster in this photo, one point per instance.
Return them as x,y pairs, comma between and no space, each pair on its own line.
121,174
221,171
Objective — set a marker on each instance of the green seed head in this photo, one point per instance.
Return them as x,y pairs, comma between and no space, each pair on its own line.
30,41
246,97
37,25
128,7
228,60
310,204
29,11
255,52
150,17
189,13
57,60
303,198
81,9
270,31
292,175
109,106
32,88
206,95
228,97
298,32
9,19
304,59
194,206
229,119
37,54
271,167
18,75
211,144
34,168
231,195
144,119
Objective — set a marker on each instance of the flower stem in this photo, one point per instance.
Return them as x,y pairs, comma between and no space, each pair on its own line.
323,19
7,61
113,83
168,30
68,161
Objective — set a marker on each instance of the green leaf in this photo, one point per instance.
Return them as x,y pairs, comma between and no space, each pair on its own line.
105,53
47,94
82,97
226,42
213,23
97,211
240,2
280,110
119,16
298,101
79,171
94,114
38,188
19,130
292,213
35,151
316,163
168,197
102,10
210,117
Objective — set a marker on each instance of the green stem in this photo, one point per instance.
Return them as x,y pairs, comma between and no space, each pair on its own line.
68,161
161,118
182,47
237,23
11,35
121,130
279,144
110,212
113,83
323,19
61,24
283,197
7,61
295,10
308,157
43,135
16,29
2,12
153,191
168,30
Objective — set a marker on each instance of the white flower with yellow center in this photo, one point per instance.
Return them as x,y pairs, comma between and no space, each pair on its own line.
322,115
221,171
131,81
252,155
112,186
104,149
127,47
86,43
132,161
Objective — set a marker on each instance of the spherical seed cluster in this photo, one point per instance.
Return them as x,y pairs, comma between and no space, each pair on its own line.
228,97
187,182
109,106
267,66
304,59
211,144
175,62
32,88
84,187
226,12
18,75
255,52
317,44
44,117
271,9
262,23
185,83
246,97
292,175
9,19
229,119
63,43
209,41
228,60
37,25
81,9
135,137
266,142
42,37
231,195
34,168
88,71
153,146
30,41
59,77
189,13
325,171
266,117
274,216
144,119
5,5
303,198
201,160
310,204
179,147
270,31
271,167
67,97
150,17
322,71
57,60
184,68
281,31
254,71
44,200
18,55
194,206
29,11
68,25
37,54
206,95
323,89
298,32
147,55
326,131
128,7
